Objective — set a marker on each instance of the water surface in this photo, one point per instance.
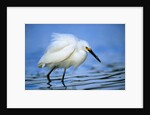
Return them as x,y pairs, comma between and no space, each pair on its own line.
106,40
94,79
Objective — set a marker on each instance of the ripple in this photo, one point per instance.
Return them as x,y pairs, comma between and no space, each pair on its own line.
113,79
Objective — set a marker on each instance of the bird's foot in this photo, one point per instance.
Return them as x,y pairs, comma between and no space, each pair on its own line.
48,83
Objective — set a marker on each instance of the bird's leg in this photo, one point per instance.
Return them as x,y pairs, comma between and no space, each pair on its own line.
64,85
48,75
63,75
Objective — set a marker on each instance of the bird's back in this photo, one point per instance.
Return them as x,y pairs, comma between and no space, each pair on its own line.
62,46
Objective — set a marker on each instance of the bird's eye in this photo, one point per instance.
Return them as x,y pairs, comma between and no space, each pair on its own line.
87,48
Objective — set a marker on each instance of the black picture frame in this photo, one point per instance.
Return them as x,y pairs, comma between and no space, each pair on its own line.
44,3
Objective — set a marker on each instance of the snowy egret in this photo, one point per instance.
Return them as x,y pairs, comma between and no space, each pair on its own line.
65,51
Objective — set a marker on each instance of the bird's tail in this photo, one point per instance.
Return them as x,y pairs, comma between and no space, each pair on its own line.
41,65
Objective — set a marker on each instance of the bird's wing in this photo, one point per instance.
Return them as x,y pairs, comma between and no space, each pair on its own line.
62,46
60,41
56,46
57,56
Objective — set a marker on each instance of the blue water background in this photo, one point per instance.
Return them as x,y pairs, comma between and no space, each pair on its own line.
106,40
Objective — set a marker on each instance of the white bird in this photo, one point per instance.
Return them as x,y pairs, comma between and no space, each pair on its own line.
65,51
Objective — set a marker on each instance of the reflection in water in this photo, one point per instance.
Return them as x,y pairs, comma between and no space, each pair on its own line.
107,41
111,79
51,87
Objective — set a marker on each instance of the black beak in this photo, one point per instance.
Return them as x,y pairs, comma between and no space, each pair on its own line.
90,50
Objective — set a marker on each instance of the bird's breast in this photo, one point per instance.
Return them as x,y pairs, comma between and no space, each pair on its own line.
78,58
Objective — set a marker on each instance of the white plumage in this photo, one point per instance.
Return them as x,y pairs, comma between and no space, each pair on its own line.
65,51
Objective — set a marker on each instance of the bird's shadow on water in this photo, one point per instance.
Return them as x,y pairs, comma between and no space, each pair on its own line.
50,86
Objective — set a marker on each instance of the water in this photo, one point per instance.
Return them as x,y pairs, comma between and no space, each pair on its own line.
94,79
91,75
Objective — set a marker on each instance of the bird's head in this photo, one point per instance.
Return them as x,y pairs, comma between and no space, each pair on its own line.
85,46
